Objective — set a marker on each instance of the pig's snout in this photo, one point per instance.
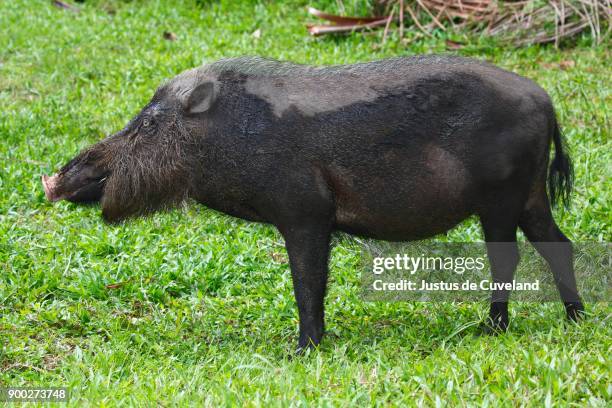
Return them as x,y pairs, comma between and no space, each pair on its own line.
49,185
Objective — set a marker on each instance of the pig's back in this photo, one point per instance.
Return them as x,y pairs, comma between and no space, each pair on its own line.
393,139
288,88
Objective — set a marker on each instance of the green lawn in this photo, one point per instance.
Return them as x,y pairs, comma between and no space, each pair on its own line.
203,308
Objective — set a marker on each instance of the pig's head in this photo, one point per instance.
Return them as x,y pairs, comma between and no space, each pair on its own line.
150,163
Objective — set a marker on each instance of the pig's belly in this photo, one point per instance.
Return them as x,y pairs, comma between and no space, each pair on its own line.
412,219
400,201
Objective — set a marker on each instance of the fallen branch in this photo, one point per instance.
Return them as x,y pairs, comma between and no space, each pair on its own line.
343,24
333,29
342,20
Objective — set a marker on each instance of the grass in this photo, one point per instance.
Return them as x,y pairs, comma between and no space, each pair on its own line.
200,307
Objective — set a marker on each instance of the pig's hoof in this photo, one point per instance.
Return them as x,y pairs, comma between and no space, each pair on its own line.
485,329
303,351
306,347
493,327
574,311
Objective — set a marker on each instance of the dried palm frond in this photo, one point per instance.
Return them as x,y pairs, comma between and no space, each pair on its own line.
520,22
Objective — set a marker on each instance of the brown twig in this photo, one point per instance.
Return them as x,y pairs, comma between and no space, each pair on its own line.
416,21
387,26
118,285
435,20
65,6
401,20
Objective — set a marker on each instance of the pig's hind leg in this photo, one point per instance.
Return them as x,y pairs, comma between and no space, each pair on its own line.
540,228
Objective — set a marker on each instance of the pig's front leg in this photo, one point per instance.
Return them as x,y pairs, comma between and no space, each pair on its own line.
308,248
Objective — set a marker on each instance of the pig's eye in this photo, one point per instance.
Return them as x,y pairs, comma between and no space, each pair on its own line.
146,122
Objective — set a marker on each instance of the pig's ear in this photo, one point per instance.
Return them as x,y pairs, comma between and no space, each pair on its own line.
200,98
